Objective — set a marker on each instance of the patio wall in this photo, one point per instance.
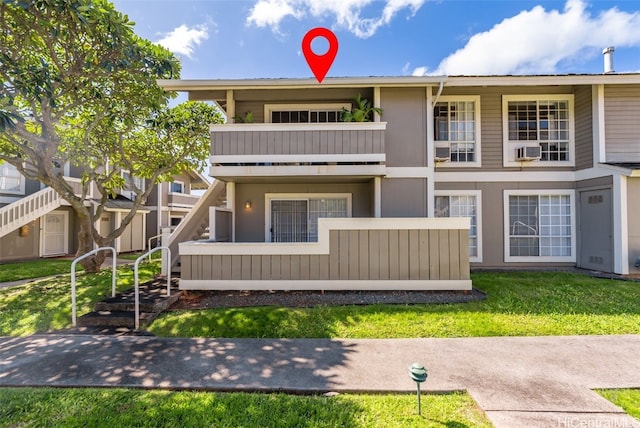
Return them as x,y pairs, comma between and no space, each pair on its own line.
351,254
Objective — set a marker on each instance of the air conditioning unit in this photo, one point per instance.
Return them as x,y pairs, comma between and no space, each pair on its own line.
529,153
443,154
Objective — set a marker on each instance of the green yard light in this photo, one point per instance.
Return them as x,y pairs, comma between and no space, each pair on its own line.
418,373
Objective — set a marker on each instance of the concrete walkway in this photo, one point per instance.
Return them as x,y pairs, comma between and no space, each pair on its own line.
518,381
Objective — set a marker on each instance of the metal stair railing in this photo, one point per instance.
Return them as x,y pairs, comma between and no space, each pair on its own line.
73,278
137,287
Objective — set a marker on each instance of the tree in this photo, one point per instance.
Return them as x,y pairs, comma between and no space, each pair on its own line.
79,86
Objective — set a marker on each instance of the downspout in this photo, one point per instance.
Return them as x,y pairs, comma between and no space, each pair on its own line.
440,88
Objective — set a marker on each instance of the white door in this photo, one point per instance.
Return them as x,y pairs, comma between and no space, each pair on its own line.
55,233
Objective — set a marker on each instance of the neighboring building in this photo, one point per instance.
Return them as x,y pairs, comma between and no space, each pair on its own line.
36,222
546,169
176,199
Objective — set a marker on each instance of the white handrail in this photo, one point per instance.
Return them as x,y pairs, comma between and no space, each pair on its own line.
73,278
135,275
149,243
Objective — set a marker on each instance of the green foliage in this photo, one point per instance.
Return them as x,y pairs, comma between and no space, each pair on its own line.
517,304
139,408
361,112
247,118
45,305
79,86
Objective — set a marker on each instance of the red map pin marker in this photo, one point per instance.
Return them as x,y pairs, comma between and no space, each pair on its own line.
320,64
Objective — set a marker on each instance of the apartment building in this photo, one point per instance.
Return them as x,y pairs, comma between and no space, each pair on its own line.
532,171
36,222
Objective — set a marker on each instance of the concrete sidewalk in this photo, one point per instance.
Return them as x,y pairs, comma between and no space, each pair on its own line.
518,381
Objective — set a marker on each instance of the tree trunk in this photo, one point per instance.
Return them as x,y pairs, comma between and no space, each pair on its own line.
85,242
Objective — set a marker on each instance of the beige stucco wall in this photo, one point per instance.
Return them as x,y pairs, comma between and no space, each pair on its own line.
404,110
404,197
16,247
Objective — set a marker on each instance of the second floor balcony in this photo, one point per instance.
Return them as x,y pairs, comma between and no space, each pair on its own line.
181,200
298,150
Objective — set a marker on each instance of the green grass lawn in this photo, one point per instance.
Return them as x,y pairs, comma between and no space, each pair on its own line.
139,408
35,269
517,304
628,399
45,305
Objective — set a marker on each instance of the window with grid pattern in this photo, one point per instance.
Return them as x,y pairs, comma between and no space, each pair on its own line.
11,180
543,121
540,225
455,122
296,220
305,116
461,206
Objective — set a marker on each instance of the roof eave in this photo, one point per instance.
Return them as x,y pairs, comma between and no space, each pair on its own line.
399,81
331,82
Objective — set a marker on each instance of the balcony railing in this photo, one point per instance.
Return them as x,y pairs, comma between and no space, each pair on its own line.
182,200
298,149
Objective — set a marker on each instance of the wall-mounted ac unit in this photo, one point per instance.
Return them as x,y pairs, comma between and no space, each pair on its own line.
443,154
528,153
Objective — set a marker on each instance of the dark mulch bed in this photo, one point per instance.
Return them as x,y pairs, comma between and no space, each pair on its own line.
297,299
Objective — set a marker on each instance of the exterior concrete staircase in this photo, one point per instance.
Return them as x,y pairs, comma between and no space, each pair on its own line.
27,209
196,223
118,312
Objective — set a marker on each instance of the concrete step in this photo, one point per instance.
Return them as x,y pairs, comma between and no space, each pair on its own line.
115,319
118,312
152,299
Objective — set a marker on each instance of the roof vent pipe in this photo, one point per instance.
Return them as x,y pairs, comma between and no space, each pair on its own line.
608,59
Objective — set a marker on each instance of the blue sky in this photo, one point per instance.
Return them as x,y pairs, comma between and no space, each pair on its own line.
261,38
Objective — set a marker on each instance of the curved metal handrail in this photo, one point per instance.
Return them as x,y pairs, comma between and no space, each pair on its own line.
73,278
156,237
135,275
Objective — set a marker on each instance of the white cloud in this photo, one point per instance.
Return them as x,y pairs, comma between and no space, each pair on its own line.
269,13
537,41
183,39
420,71
347,13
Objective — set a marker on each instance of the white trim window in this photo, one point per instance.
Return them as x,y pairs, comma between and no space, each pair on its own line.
128,190
540,226
304,113
456,124
463,203
294,217
11,181
545,121
175,220
176,187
